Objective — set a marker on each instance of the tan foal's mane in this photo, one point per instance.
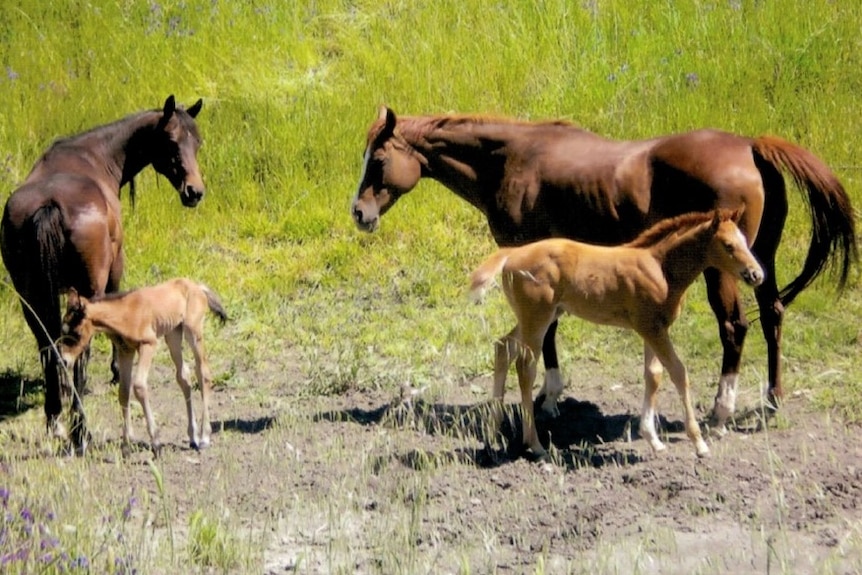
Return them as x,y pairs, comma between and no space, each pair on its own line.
685,222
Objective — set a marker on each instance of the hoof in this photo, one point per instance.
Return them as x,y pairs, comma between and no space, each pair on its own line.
126,450
157,450
548,406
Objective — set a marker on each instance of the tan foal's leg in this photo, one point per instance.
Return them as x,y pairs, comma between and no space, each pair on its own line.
652,379
526,365
678,374
125,361
174,339
139,387
195,337
506,350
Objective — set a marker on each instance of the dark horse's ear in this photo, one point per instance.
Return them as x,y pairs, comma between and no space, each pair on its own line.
167,111
195,108
387,116
73,300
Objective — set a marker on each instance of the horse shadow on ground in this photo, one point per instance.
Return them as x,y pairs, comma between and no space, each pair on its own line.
18,394
581,436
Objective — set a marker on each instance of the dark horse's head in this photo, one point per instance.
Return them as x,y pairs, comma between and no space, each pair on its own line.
391,168
175,150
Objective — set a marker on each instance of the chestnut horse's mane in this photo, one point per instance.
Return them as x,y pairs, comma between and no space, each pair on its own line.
662,229
424,124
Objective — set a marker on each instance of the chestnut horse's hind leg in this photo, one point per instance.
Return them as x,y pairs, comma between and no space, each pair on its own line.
724,299
553,385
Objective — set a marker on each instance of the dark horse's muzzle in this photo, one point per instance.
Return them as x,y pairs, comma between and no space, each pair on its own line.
191,196
362,222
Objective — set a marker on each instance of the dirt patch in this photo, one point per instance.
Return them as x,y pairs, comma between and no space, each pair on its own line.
400,482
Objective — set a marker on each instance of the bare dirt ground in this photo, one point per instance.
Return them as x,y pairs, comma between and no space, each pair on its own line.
348,483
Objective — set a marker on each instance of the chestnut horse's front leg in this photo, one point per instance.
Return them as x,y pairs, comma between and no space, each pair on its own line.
553,385
724,299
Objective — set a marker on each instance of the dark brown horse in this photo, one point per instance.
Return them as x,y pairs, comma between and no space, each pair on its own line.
63,228
552,179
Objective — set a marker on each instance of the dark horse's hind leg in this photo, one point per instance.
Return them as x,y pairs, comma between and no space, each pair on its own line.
723,297
553,386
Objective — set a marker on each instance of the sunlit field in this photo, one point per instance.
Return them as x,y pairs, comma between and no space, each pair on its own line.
323,312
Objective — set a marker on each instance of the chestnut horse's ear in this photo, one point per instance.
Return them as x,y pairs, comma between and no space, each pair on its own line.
195,108
716,219
387,116
167,111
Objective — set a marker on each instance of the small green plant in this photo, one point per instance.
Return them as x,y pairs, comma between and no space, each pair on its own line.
209,544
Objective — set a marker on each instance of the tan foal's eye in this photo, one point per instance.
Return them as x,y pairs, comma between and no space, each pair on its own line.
728,247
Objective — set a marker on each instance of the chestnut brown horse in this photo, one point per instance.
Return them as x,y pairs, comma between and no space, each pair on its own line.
553,179
63,228
639,286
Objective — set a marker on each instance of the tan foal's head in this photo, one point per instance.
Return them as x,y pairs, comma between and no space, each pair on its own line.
729,251
77,329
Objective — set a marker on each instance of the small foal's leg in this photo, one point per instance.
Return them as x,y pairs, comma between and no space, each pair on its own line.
195,337
526,366
174,339
652,379
125,360
678,374
139,387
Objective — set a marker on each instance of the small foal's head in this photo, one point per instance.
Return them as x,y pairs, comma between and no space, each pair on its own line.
175,149
390,169
77,329
729,251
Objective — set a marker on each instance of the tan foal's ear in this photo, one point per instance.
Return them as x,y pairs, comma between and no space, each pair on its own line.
736,215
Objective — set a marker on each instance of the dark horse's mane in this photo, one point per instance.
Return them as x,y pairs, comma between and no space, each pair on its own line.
662,229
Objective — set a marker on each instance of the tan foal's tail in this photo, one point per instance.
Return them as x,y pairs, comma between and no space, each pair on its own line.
214,303
484,275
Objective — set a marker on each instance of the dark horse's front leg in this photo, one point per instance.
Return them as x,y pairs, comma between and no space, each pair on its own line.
553,386
80,434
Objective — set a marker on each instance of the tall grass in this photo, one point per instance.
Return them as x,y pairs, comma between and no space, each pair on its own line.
289,91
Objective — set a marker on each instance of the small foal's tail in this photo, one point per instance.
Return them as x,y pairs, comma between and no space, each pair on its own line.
484,275
214,303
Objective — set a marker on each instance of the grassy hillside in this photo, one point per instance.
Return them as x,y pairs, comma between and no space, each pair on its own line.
289,91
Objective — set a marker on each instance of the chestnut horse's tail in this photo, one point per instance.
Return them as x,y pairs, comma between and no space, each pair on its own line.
833,233
484,275
214,303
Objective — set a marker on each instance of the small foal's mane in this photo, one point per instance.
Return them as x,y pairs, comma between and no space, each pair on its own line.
681,223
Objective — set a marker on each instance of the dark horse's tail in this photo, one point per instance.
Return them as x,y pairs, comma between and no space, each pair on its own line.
833,233
50,241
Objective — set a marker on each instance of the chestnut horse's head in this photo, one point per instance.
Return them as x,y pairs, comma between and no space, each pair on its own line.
175,148
391,168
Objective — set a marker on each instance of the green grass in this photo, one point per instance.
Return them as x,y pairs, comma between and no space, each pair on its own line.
289,90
